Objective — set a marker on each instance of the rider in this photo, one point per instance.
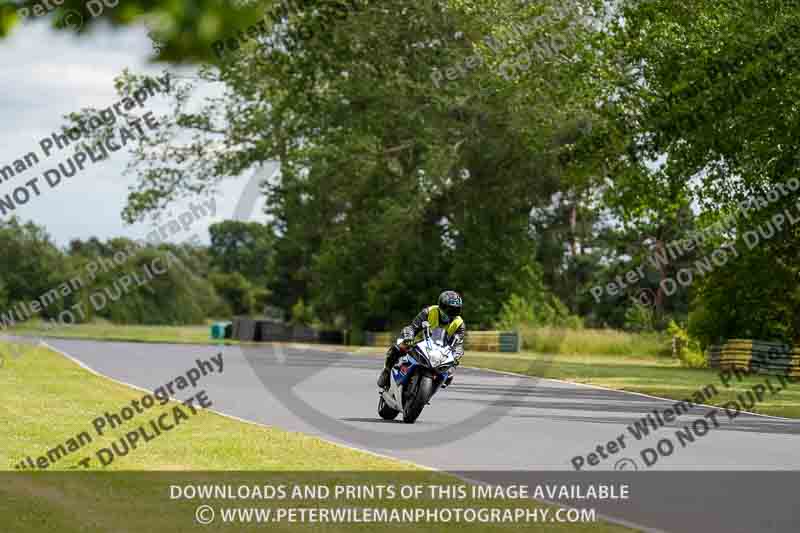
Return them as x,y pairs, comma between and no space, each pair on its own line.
447,315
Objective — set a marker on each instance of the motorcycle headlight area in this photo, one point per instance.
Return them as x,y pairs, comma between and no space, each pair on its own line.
438,358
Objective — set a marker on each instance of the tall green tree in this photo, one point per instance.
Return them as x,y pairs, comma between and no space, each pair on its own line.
705,92
403,170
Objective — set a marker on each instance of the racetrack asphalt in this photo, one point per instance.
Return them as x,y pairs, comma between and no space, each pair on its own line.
527,428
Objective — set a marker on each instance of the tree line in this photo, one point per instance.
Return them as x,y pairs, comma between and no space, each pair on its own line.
125,282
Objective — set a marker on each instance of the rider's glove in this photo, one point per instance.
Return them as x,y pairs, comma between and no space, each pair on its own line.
426,325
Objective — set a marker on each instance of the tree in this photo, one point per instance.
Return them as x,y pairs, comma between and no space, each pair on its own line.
186,31
705,92
236,290
393,184
31,265
246,248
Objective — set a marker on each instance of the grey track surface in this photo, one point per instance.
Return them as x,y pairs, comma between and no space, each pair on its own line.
536,425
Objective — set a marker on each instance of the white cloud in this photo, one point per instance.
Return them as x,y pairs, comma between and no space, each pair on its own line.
48,74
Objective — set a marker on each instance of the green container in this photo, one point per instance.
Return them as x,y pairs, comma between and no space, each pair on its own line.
218,330
509,341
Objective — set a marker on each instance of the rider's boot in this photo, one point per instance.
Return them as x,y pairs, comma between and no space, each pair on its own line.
391,359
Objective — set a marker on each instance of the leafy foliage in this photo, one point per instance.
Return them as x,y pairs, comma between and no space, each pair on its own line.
395,182
710,90
640,317
30,264
688,349
546,311
242,247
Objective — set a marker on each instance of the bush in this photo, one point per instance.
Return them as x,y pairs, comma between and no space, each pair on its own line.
755,296
688,350
175,297
692,359
302,314
640,317
549,311
561,340
31,265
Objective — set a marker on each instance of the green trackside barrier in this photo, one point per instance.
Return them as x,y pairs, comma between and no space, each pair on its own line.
509,341
219,330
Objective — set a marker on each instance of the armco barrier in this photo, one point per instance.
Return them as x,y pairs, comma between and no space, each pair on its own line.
756,356
245,329
479,341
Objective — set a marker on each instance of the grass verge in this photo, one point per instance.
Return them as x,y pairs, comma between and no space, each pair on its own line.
46,399
566,341
107,331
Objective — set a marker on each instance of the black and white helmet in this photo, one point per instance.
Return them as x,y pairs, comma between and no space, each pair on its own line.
450,304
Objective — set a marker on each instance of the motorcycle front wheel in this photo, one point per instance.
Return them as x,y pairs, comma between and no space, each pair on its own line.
424,390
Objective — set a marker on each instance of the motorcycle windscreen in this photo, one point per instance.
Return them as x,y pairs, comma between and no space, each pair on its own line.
438,335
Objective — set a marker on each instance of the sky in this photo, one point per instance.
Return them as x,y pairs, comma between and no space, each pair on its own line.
46,74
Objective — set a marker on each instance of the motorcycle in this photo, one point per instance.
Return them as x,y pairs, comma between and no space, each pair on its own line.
417,376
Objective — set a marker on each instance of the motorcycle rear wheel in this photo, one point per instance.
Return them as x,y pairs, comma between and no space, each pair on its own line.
386,412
